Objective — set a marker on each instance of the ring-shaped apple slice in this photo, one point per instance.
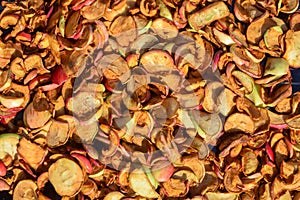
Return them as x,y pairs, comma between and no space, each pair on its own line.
66,177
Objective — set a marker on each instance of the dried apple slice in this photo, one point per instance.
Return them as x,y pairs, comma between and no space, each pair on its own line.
232,180
292,43
207,15
140,183
221,196
245,11
249,161
157,61
32,153
11,102
276,67
8,145
294,21
175,187
143,42
58,134
84,104
35,62
35,119
294,122
245,63
25,189
116,195
86,130
148,7
212,91
113,66
258,27
94,11
72,24
239,122
124,29
66,177
162,171
196,165
272,37
225,101
164,28
289,6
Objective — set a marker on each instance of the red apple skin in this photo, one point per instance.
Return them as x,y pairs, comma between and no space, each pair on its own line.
3,169
163,174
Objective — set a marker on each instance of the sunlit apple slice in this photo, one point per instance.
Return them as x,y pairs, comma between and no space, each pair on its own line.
116,195
31,153
221,196
25,189
157,61
140,183
292,43
208,14
58,133
66,177
35,119
11,102
289,6
239,122
8,145
164,28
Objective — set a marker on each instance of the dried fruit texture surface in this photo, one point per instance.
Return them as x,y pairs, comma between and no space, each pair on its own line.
150,99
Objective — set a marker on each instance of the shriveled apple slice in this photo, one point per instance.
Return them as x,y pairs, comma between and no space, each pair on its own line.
292,52
124,29
289,6
294,122
239,122
212,91
58,134
66,177
157,61
32,153
140,183
116,195
148,8
35,119
207,15
258,27
221,196
11,102
25,189
294,21
8,145
272,37
164,28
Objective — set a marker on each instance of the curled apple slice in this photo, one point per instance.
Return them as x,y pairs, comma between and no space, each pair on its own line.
31,153
11,102
292,43
289,6
164,28
148,7
58,134
157,61
258,27
35,119
207,15
25,189
140,183
221,196
239,122
66,177
116,195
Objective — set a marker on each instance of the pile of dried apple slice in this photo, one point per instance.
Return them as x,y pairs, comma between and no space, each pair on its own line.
150,99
